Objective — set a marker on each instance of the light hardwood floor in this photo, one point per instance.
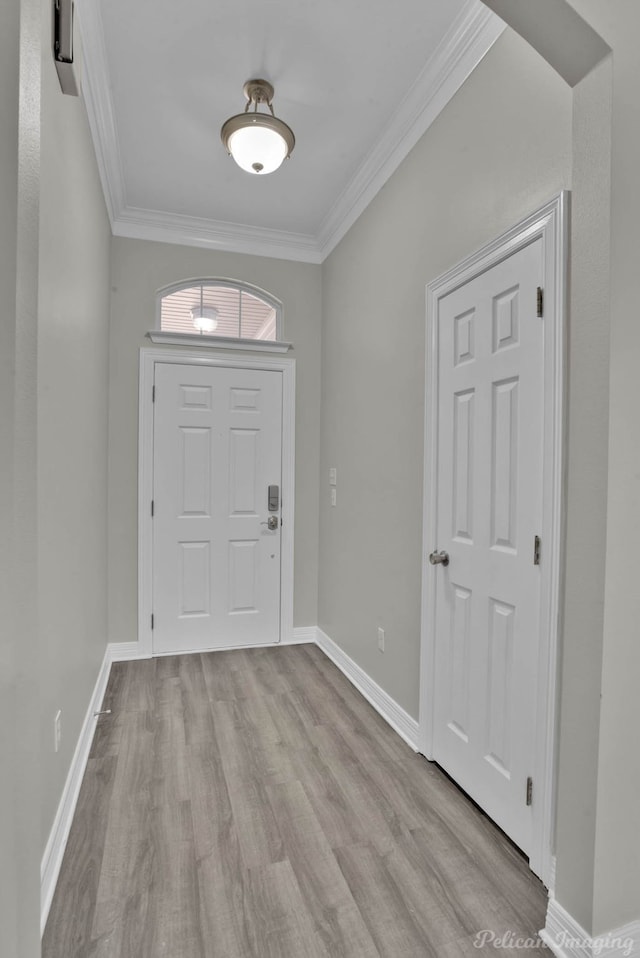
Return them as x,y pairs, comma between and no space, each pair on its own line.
251,804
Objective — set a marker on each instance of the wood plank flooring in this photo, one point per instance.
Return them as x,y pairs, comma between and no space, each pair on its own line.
251,804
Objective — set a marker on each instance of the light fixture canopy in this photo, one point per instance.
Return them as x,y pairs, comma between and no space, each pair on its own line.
258,142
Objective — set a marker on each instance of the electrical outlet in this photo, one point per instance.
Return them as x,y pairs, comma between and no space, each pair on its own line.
380,639
333,476
333,495
57,730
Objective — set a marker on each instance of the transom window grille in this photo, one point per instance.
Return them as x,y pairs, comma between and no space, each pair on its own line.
219,308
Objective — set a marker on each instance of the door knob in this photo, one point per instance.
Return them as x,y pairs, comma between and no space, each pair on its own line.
271,523
439,558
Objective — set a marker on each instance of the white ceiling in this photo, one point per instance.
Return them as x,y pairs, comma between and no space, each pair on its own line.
358,82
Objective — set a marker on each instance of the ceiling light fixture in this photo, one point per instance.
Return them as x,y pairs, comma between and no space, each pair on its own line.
258,142
205,318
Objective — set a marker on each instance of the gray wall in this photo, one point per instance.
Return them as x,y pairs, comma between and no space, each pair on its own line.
72,371
73,319
598,846
139,268
19,706
585,513
53,355
500,149
616,897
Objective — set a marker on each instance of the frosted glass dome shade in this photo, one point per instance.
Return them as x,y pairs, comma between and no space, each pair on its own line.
257,149
205,318
258,142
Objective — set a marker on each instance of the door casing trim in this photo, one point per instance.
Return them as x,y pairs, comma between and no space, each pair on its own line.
148,359
550,223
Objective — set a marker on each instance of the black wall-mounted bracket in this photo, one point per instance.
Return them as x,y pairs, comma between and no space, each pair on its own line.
63,13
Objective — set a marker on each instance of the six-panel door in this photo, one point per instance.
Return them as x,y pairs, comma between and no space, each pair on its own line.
489,496
216,562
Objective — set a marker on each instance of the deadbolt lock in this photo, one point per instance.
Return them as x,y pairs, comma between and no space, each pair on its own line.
439,558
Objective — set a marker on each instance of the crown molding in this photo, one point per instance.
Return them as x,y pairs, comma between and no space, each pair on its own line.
96,93
469,39
215,234
466,43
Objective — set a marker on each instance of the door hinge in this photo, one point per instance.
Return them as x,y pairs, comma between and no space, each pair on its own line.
152,621
536,550
539,301
153,393
529,791
152,508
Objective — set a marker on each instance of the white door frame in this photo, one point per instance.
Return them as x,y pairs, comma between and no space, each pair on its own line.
148,359
551,225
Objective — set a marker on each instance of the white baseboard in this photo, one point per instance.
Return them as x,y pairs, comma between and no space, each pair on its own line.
562,934
301,636
130,651
389,709
567,939
59,834
57,842
52,858
399,720
126,652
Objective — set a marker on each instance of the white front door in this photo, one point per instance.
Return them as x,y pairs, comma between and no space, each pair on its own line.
216,534
489,452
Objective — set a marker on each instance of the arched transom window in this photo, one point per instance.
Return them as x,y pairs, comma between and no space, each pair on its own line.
213,310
